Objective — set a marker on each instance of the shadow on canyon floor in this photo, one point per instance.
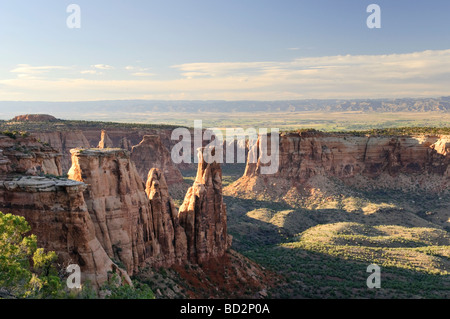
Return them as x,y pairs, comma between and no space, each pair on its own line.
324,253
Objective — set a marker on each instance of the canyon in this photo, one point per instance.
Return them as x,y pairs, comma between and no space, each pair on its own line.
103,198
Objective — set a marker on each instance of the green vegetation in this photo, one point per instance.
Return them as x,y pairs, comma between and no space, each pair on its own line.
288,121
14,128
394,131
114,290
322,245
26,271
14,134
349,121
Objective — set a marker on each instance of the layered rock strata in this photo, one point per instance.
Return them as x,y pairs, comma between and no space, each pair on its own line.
117,203
139,224
104,216
34,118
151,153
203,213
26,155
169,234
397,162
63,141
54,207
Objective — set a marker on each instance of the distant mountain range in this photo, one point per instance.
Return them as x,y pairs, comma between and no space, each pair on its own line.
9,109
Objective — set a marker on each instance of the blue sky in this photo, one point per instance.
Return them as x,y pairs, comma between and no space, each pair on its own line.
209,49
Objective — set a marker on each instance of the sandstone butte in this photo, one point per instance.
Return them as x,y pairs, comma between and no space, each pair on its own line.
104,215
34,118
315,160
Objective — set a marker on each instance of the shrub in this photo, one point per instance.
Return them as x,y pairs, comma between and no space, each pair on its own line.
26,271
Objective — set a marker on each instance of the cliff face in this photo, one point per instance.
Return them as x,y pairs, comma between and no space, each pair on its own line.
25,155
362,161
126,138
58,216
104,215
203,214
151,153
63,141
54,207
117,203
150,149
141,226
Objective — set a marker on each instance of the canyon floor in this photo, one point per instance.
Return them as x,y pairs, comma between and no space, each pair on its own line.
322,247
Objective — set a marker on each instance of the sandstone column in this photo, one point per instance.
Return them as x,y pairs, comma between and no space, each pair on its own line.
203,213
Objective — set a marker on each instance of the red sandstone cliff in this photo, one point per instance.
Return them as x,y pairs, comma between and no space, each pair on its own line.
105,215
54,207
117,203
151,153
63,141
407,163
26,155
140,227
34,118
148,150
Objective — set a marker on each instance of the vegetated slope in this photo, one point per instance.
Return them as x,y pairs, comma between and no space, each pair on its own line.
321,227
322,248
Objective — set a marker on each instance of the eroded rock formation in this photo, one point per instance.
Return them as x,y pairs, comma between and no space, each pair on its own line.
141,226
203,213
63,141
170,235
117,203
104,216
105,141
151,153
26,155
54,207
402,162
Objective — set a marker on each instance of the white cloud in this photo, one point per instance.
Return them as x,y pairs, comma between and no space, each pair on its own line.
103,66
143,74
92,72
139,71
26,68
415,74
26,71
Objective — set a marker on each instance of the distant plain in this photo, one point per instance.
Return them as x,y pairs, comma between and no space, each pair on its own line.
331,121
